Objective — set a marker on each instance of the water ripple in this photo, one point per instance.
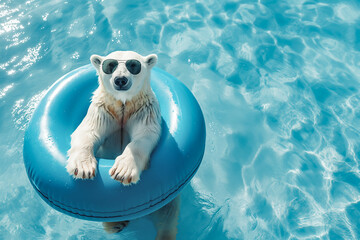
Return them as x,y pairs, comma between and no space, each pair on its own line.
278,82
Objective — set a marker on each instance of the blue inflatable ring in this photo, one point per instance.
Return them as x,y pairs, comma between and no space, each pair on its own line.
173,162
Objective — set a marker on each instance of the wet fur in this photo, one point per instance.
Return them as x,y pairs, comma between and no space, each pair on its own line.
135,111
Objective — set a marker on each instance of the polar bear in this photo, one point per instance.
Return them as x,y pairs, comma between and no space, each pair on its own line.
124,101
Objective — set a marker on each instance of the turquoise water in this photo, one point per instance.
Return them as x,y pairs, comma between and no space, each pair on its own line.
278,82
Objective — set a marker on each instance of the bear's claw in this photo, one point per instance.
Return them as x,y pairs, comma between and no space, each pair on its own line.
125,170
81,165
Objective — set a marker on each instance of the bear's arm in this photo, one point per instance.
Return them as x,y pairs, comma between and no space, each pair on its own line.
144,129
93,130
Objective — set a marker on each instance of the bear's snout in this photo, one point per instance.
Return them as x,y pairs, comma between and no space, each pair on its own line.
121,83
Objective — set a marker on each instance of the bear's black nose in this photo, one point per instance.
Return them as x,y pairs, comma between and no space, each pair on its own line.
120,81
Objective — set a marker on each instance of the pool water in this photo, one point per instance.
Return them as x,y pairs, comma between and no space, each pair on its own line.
279,85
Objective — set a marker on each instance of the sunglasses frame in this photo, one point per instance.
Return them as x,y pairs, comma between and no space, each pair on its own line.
127,63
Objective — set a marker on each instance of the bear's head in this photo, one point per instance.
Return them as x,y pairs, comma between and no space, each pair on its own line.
124,74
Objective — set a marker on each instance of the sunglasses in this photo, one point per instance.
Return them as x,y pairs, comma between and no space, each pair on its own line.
132,65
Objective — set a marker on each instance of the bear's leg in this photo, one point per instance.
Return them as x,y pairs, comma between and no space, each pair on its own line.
166,220
135,157
114,227
86,139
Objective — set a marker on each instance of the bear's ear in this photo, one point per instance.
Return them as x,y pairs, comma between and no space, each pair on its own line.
96,61
151,60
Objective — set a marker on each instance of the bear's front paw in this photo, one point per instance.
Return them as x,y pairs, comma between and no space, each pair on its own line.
125,169
81,165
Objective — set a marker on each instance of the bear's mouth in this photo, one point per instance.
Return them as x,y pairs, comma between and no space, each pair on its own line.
123,88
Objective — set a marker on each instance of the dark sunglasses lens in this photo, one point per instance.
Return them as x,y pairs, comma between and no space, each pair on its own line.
109,66
134,66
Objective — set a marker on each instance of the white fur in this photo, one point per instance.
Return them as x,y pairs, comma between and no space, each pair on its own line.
135,110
